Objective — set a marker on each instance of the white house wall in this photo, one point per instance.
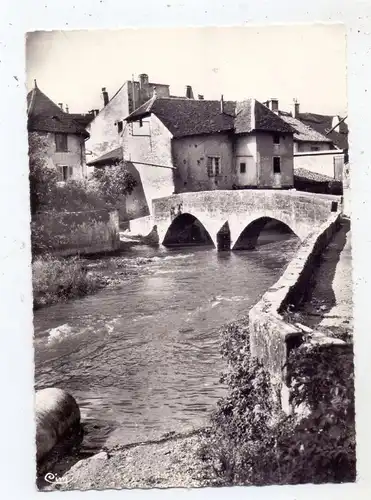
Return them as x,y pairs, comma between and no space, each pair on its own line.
321,163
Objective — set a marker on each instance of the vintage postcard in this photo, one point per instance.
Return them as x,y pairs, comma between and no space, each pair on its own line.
191,257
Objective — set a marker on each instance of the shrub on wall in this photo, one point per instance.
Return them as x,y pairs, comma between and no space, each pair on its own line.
252,442
113,182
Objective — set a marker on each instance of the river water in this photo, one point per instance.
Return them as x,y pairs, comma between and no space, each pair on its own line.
144,360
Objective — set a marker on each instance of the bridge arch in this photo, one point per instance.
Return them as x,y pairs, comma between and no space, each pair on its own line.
187,229
246,238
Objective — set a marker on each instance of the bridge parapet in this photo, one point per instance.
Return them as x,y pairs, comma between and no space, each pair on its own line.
301,212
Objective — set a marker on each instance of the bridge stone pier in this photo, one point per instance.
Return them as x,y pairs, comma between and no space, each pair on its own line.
233,219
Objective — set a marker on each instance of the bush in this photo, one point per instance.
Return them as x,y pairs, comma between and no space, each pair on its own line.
57,280
78,195
42,177
252,442
113,182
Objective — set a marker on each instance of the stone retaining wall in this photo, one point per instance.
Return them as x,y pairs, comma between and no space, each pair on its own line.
271,336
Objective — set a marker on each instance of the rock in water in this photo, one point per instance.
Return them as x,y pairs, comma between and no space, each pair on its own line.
57,414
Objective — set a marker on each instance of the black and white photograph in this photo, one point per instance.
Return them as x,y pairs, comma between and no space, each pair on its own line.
191,257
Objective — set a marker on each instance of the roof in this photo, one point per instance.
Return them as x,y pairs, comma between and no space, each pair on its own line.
45,116
304,133
322,123
109,158
253,115
82,118
185,117
302,173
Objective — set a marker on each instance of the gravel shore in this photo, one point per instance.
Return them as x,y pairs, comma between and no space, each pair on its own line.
173,462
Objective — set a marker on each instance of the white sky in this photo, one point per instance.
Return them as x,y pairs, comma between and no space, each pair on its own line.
303,61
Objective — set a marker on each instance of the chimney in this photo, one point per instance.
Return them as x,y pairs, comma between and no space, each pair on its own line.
95,112
222,104
143,80
200,97
60,104
105,96
189,92
297,108
143,88
274,105
67,109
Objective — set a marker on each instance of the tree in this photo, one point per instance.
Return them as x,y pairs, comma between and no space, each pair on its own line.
114,182
43,178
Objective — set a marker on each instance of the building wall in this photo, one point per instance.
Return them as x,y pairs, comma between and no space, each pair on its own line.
190,159
246,152
301,147
320,162
103,132
266,151
75,157
104,135
148,148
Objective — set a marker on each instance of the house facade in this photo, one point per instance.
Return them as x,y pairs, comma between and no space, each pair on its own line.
320,147
181,145
108,130
64,136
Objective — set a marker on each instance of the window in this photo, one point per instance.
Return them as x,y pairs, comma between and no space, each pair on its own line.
119,127
213,166
61,143
314,148
64,173
242,168
276,165
276,139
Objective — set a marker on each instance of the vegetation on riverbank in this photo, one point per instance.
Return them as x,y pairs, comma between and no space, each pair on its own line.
60,279
57,280
252,442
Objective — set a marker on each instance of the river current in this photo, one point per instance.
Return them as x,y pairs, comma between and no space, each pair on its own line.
144,360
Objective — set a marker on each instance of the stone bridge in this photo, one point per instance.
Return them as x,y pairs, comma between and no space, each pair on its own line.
234,219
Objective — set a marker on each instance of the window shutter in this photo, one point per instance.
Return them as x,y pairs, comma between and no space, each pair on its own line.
209,166
70,172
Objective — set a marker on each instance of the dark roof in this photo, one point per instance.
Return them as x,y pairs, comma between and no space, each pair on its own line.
185,117
45,116
109,158
302,173
82,118
304,132
323,123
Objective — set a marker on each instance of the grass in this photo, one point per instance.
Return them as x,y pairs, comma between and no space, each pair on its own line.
58,280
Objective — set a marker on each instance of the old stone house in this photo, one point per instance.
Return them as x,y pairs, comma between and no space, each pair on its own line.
320,141
107,129
180,144
64,135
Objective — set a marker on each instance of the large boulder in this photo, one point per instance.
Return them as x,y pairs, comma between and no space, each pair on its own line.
57,415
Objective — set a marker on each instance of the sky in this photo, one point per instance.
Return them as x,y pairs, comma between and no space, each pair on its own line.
306,62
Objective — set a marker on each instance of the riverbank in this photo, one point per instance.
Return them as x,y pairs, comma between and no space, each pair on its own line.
174,461
57,280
